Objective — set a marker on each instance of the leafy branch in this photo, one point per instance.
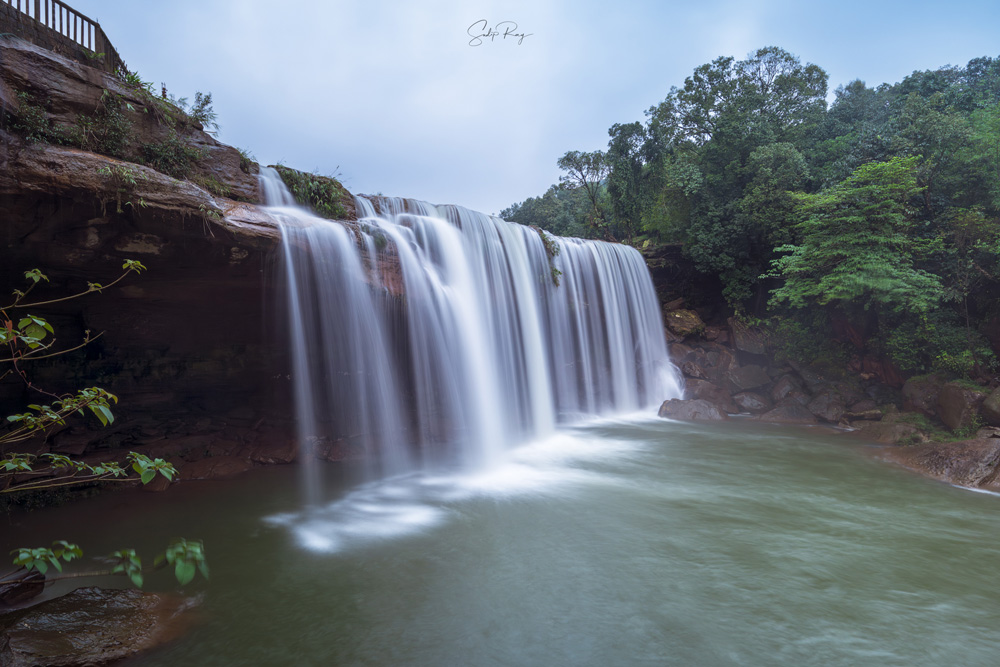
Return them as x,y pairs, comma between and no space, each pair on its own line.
186,556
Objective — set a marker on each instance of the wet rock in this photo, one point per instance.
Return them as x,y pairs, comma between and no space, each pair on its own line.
887,432
793,413
749,401
958,405
714,394
920,394
680,353
12,593
683,322
692,370
90,626
972,463
990,409
217,467
284,450
988,432
743,378
693,410
828,406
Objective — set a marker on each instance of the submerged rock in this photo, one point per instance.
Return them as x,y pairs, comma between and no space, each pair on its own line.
90,626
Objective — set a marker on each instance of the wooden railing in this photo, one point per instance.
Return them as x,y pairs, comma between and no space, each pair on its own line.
71,25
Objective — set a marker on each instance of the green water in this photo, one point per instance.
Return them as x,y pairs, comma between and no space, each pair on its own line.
626,543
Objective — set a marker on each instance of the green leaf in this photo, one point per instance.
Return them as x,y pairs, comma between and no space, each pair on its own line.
184,571
147,476
136,578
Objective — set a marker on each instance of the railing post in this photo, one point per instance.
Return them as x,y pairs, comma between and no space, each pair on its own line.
38,7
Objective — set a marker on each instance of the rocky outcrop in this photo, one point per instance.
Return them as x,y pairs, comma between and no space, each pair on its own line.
971,463
192,347
67,90
90,626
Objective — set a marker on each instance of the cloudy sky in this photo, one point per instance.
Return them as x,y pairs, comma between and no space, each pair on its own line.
391,96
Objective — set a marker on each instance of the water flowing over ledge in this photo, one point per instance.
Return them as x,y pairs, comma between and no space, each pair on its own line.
489,336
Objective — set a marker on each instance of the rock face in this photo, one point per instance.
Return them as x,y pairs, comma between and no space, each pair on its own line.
89,626
70,89
191,347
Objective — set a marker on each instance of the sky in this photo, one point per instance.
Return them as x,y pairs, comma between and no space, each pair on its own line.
392,97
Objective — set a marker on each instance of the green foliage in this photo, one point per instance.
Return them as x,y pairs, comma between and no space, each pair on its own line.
587,171
320,193
108,130
122,180
552,250
41,558
172,156
32,122
214,185
247,160
187,557
857,245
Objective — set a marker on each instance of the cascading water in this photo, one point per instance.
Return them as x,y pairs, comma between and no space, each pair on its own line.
431,337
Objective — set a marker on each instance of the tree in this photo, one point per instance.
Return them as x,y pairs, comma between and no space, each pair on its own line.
857,246
587,171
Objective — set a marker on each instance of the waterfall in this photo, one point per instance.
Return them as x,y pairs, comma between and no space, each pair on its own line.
426,337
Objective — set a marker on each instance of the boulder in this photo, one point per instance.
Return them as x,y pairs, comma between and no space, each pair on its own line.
749,401
742,378
692,370
990,409
828,406
90,626
920,394
785,386
958,405
748,338
793,413
693,410
683,322
714,394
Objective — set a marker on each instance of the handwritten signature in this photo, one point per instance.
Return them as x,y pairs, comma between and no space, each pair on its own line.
480,31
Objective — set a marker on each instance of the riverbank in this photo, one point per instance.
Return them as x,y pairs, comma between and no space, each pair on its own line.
944,428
